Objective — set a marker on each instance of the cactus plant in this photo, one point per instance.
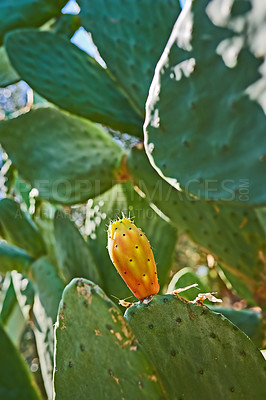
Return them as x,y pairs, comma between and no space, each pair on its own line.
132,256
181,350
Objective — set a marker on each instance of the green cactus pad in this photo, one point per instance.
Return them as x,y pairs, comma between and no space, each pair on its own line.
7,73
26,13
73,255
97,356
48,285
68,77
12,257
161,234
68,159
130,37
198,354
234,235
16,381
18,229
205,125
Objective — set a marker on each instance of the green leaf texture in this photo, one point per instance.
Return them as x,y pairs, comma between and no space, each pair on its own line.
25,13
198,354
234,235
73,254
68,159
97,356
205,125
130,36
71,79
18,229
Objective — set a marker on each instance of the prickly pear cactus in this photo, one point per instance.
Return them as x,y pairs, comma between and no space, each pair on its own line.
97,356
131,254
198,354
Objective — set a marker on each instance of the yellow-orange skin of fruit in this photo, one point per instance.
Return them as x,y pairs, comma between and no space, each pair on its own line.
132,256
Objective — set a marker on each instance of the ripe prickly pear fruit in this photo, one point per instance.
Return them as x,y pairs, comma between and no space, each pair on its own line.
131,254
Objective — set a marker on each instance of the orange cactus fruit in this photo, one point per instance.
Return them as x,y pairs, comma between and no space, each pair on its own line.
132,256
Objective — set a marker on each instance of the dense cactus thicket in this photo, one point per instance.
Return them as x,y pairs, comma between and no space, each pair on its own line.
168,134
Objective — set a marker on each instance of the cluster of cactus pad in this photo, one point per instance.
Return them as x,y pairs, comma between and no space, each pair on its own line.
186,90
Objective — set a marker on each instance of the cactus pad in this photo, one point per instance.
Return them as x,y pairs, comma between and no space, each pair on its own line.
18,229
48,284
7,73
26,13
16,381
204,104
73,255
71,79
130,37
97,356
83,158
12,257
198,354
131,254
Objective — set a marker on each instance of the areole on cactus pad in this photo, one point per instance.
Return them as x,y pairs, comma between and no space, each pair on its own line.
132,256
